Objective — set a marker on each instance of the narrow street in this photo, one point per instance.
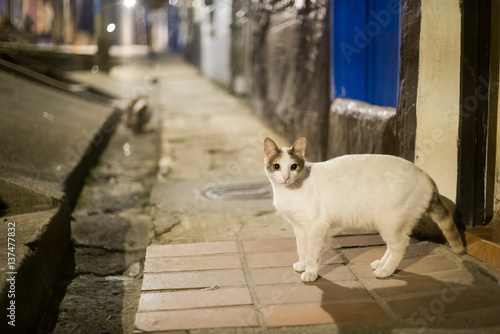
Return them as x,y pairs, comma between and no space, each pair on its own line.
109,232
109,227
151,188
175,230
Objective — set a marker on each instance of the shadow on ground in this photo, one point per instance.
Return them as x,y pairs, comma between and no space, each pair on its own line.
458,299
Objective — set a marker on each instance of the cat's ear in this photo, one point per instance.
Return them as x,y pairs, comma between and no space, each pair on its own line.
270,147
299,148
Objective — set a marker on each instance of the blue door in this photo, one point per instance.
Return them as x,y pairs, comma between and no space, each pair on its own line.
365,42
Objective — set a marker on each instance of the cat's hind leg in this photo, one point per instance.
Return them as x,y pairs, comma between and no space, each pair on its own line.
396,248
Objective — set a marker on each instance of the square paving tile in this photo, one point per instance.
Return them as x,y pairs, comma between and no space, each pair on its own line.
464,278
287,258
309,314
241,316
280,275
277,275
268,253
269,245
369,254
193,279
320,293
222,247
412,284
447,301
403,285
172,300
185,263
412,266
271,259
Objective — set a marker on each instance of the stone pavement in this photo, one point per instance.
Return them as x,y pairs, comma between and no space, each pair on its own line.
220,259
251,283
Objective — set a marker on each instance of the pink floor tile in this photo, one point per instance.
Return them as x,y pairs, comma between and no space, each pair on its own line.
369,254
282,275
308,314
186,263
319,293
193,279
192,249
413,266
271,259
447,301
171,300
242,316
270,245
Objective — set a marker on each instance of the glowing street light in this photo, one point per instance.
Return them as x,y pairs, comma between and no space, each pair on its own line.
111,27
129,3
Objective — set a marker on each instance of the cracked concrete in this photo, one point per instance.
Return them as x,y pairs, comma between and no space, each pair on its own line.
122,233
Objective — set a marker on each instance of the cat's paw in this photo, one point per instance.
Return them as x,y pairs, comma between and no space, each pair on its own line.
308,277
382,273
299,267
376,264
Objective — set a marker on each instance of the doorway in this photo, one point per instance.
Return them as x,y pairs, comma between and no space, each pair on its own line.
477,142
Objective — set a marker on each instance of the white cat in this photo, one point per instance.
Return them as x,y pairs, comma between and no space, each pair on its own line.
371,192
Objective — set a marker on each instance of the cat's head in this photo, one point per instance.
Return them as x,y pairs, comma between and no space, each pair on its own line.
284,165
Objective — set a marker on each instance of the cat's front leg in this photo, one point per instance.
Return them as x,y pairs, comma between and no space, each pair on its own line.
298,266
301,249
380,263
315,240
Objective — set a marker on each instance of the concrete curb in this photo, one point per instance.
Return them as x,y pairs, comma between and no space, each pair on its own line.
40,233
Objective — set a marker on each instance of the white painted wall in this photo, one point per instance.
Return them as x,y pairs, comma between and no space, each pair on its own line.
438,93
216,42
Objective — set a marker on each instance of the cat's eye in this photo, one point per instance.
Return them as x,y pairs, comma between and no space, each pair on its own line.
293,167
276,166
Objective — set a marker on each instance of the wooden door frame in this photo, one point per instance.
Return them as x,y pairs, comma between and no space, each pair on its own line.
474,107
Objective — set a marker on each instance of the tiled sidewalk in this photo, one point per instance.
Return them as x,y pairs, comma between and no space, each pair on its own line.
251,284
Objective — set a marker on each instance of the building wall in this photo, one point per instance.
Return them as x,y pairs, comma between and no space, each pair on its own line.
290,70
357,127
241,48
216,41
439,93
189,34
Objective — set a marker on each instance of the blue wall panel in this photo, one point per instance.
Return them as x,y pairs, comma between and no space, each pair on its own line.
365,50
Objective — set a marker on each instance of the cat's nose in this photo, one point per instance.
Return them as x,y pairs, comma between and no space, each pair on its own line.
286,178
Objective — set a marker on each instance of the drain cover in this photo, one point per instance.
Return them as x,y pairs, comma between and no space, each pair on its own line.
240,191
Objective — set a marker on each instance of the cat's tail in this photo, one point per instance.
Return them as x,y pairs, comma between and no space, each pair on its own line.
440,214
